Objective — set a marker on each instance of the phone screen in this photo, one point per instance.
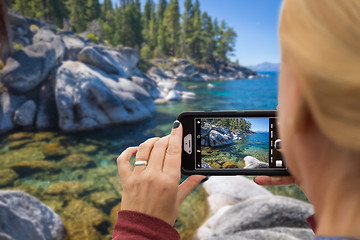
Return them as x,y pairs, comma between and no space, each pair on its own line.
241,143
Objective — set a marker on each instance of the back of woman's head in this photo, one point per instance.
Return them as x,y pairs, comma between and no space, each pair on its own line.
320,40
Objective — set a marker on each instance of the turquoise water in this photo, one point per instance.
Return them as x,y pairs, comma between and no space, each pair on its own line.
255,145
249,94
70,172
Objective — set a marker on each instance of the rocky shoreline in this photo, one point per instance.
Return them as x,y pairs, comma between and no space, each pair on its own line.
215,136
61,80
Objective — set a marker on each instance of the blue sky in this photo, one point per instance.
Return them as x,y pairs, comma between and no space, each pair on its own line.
259,124
254,21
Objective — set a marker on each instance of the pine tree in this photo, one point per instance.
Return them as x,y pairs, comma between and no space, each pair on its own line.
57,11
187,27
92,10
153,30
196,38
226,41
208,38
145,20
161,10
107,22
171,25
161,38
77,14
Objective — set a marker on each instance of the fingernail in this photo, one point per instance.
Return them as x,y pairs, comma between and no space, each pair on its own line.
204,180
176,124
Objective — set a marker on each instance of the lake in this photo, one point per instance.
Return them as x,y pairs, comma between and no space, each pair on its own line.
76,173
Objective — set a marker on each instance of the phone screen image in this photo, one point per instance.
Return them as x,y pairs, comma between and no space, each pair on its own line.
240,143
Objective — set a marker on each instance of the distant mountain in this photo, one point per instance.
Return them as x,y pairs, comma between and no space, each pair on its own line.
266,67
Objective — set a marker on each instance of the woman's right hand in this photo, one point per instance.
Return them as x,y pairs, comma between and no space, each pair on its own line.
275,180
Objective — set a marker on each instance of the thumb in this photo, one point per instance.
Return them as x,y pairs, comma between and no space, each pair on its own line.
188,185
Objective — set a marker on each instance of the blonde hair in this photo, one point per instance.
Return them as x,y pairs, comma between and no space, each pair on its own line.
320,39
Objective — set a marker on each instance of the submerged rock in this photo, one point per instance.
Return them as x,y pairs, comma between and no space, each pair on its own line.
87,99
22,216
28,67
251,162
7,177
74,161
86,217
54,150
105,200
19,136
70,188
30,167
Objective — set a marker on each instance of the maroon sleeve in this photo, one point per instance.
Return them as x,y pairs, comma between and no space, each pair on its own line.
312,222
131,225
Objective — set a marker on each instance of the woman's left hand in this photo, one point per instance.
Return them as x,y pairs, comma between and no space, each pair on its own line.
154,189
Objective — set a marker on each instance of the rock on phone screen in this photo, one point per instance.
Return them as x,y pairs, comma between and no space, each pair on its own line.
242,143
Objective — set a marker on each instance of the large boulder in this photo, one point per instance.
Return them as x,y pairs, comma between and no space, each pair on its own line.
262,212
20,28
237,189
112,61
251,162
171,85
215,136
47,116
48,35
22,216
8,105
88,99
28,67
279,233
73,45
148,84
219,139
25,114
187,69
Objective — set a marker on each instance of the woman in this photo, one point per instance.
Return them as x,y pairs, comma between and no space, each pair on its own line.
319,98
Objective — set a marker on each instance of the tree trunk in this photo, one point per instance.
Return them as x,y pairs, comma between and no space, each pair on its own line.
5,42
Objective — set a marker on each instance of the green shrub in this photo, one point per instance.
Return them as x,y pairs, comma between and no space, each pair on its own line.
143,65
17,46
93,38
145,52
158,53
34,28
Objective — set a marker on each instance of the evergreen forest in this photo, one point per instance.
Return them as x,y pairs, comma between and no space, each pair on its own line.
157,29
234,124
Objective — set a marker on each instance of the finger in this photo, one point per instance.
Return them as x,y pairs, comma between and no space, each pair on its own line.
172,161
277,180
143,153
188,185
157,155
123,163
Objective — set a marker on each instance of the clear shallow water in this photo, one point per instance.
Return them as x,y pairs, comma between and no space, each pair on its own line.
57,174
255,145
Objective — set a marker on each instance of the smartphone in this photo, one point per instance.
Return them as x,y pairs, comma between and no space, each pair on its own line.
231,143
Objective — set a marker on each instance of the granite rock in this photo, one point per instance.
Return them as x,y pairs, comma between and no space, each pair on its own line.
22,216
